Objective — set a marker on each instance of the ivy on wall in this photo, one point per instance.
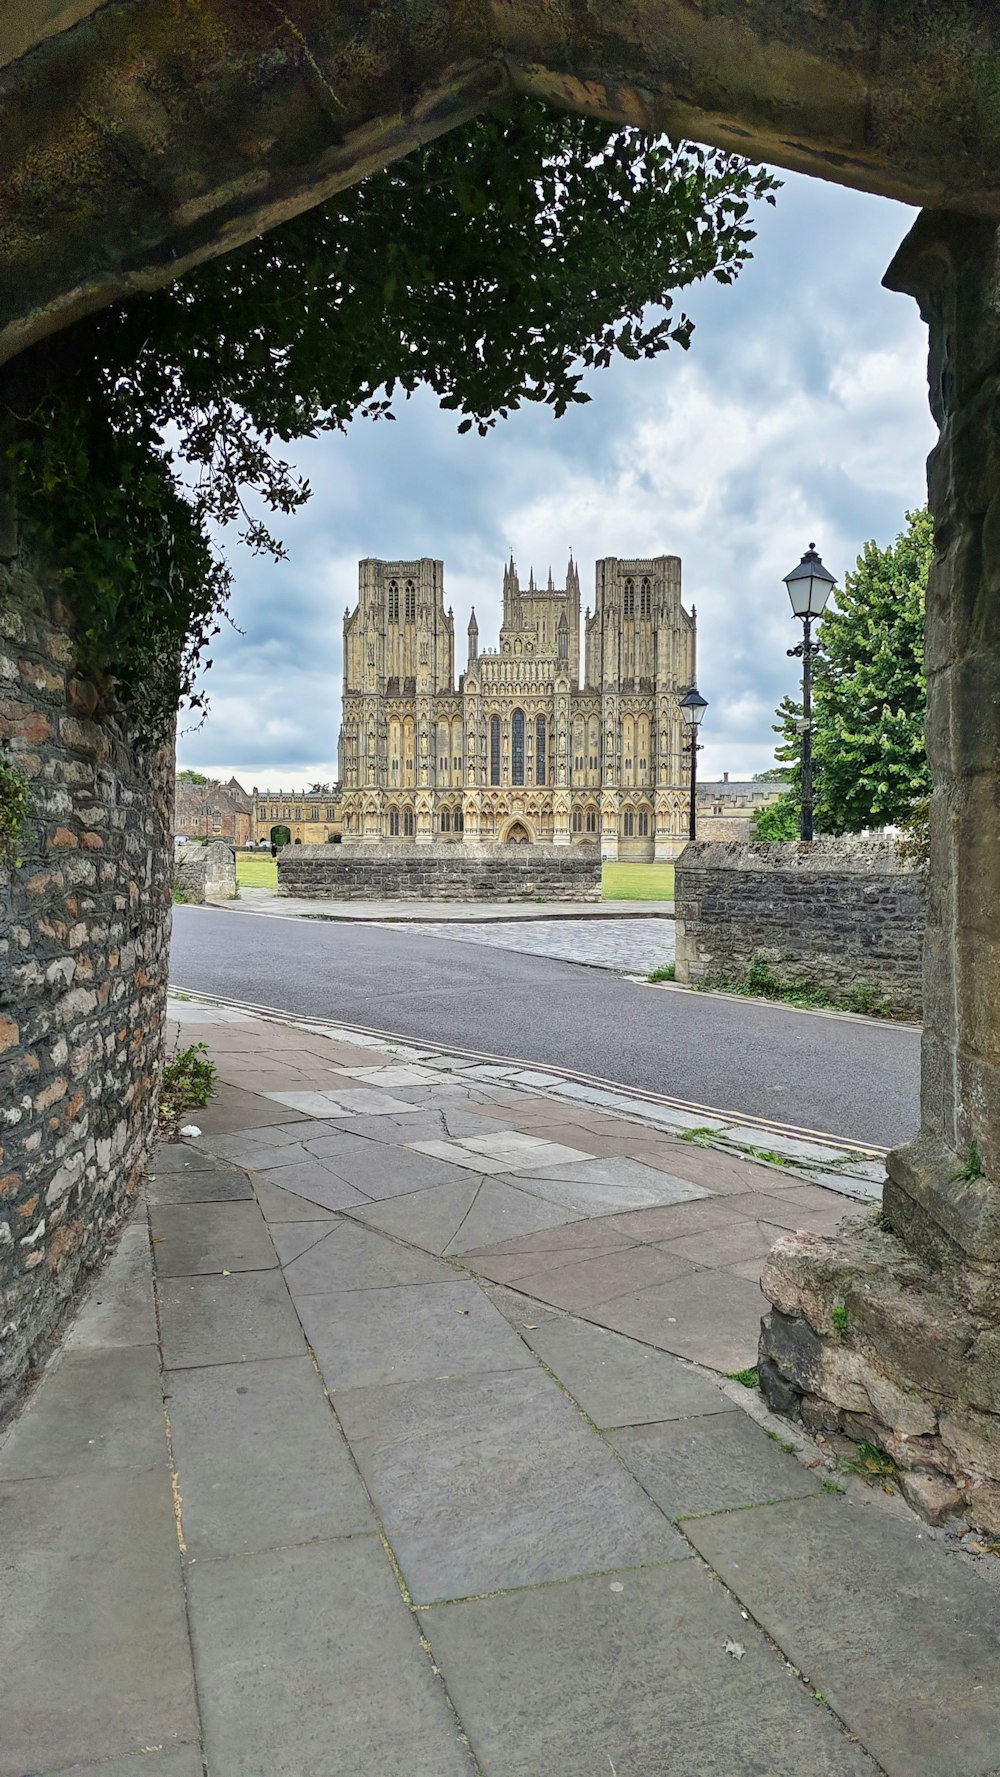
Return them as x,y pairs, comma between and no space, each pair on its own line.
15,810
498,265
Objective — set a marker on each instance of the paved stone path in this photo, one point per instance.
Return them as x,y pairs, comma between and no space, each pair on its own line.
261,900
396,1437
628,946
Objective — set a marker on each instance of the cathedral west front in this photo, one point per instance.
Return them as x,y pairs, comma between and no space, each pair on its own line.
519,751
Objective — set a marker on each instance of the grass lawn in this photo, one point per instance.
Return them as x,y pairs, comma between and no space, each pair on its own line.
256,869
638,882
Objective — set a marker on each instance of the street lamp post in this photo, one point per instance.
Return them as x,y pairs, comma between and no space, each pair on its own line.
809,586
693,707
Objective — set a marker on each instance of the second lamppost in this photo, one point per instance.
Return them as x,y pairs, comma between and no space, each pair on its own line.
693,707
809,586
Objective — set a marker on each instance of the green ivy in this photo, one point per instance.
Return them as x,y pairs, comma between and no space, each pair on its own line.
497,265
15,810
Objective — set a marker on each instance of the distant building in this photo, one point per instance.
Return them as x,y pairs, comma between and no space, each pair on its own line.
312,817
212,810
519,751
725,810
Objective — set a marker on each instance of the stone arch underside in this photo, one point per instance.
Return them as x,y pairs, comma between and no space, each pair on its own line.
135,145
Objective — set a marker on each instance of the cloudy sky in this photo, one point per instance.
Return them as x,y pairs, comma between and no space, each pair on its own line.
799,413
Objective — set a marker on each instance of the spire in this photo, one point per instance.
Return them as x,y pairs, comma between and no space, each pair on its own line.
550,587
531,580
473,625
473,638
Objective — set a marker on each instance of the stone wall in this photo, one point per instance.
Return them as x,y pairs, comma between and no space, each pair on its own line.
205,872
836,913
401,872
83,944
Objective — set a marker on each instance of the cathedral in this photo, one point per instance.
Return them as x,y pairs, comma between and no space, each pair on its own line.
519,752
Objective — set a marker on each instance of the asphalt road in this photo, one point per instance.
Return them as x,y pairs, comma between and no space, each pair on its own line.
845,1077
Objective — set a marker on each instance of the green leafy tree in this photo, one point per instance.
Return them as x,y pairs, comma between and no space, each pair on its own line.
496,265
869,698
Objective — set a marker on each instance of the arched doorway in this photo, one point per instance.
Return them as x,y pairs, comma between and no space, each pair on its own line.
517,834
281,835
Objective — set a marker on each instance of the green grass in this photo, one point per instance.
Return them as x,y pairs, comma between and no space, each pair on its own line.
638,882
665,972
256,870
747,1377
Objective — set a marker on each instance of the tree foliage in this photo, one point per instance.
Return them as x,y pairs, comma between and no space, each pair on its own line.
869,699
496,265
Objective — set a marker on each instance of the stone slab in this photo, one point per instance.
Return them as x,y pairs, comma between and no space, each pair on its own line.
314,1182
616,1380
628,1673
669,1221
711,1317
494,1481
380,1170
178,1761
225,1320
93,1621
352,1256
503,1212
592,1198
260,1458
179,1156
233,1109
211,1182
899,1636
744,1238
581,1234
309,1662
292,1239
280,1205
624,1171
93,1411
192,1239
118,1309
363,1338
428,1219
589,1281
691,1466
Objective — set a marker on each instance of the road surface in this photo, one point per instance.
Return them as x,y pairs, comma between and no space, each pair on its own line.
851,1078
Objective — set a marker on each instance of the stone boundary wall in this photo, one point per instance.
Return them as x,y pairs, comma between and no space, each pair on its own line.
402,872
836,913
205,872
84,925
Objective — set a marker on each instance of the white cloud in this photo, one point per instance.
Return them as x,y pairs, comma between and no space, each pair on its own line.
799,414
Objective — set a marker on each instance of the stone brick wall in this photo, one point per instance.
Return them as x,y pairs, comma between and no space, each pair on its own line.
836,913
400,872
205,872
84,923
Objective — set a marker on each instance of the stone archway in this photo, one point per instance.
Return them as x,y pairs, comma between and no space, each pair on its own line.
517,831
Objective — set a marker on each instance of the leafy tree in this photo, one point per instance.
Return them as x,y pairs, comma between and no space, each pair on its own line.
187,776
497,265
780,820
869,763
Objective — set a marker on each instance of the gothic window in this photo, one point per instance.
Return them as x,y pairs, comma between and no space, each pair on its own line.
423,653
314,814
494,749
628,824
393,601
591,820
445,821
517,747
539,749
577,821
394,823
645,599
408,823
643,824
410,601
297,815
629,598
371,654
331,813
459,822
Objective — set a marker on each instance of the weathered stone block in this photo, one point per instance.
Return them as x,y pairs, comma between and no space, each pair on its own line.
206,872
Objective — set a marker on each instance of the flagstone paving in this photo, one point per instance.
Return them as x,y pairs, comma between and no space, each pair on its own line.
424,1458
